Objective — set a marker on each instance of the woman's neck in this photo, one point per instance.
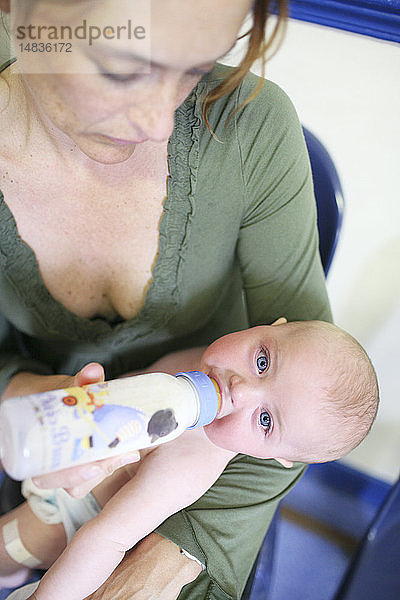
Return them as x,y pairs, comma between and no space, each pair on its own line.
27,127
31,133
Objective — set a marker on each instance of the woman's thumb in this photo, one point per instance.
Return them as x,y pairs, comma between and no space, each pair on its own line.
91,373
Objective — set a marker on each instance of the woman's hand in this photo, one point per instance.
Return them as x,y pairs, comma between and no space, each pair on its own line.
79,480
154,570
23,383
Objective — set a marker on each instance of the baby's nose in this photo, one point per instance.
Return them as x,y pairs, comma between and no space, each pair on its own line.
243,391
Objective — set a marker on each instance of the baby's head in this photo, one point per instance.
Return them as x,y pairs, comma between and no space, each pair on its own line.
301,391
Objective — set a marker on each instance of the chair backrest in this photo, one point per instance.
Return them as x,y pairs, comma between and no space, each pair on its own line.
329,198
259,580
375,570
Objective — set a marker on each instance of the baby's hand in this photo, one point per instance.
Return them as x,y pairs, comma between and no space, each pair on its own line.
80,480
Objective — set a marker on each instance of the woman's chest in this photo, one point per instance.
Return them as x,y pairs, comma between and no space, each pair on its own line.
95,242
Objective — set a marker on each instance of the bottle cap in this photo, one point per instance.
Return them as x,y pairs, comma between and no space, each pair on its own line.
208,395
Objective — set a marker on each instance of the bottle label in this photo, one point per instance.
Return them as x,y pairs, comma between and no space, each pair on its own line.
83,424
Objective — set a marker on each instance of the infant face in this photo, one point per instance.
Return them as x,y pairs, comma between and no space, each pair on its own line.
271,383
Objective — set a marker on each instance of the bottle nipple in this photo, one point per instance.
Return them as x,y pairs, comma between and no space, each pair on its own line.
218,393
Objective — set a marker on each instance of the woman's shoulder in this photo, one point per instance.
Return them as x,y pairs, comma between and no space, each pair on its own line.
266,89
268,116
269,106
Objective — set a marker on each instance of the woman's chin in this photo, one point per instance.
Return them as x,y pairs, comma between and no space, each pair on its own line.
107,154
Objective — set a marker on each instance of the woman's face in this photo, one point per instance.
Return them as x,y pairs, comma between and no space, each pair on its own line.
111,94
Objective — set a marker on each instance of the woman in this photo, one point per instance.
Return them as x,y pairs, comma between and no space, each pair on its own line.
102,262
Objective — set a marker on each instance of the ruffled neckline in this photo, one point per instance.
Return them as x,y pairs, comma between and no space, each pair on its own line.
19,262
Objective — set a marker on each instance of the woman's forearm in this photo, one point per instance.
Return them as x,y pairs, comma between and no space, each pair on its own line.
155,568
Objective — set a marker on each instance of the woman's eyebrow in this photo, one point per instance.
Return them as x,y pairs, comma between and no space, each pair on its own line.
128,55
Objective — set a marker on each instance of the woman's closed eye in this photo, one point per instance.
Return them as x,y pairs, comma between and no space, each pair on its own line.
263,361
120,77
132,76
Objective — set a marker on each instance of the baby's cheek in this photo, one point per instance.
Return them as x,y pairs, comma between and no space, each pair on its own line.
224,433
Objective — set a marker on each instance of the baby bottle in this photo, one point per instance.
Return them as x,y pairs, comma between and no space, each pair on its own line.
45,432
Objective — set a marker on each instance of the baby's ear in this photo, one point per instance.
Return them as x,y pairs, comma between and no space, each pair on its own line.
280,321
285,463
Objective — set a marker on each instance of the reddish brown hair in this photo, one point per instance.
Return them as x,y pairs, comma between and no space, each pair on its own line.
258,47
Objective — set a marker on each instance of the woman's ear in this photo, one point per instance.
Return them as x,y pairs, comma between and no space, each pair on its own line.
285,463
5,5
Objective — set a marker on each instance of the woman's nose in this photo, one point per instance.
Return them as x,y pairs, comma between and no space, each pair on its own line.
153,111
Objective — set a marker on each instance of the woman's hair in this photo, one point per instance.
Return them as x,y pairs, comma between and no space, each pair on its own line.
258,46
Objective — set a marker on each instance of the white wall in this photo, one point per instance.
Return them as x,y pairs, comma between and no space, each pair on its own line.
346,89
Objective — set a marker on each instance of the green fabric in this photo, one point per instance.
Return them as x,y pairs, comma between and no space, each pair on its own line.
238,246
225,528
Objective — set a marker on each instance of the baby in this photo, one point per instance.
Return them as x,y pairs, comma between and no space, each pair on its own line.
301,391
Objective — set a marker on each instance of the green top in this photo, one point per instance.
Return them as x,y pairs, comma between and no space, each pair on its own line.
238,246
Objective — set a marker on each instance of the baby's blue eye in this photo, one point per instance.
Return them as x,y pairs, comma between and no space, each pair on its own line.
262,362
265,420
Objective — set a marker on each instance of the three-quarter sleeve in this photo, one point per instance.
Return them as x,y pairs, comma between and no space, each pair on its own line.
278,240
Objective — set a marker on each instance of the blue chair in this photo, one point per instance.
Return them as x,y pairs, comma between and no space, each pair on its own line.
337,538
328,196
330,206
374,572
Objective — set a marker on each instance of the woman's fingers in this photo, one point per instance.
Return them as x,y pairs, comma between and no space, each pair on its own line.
71,477
80,480
82,489
91,373
107,466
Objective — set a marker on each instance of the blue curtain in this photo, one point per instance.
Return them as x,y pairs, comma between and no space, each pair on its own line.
376,18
